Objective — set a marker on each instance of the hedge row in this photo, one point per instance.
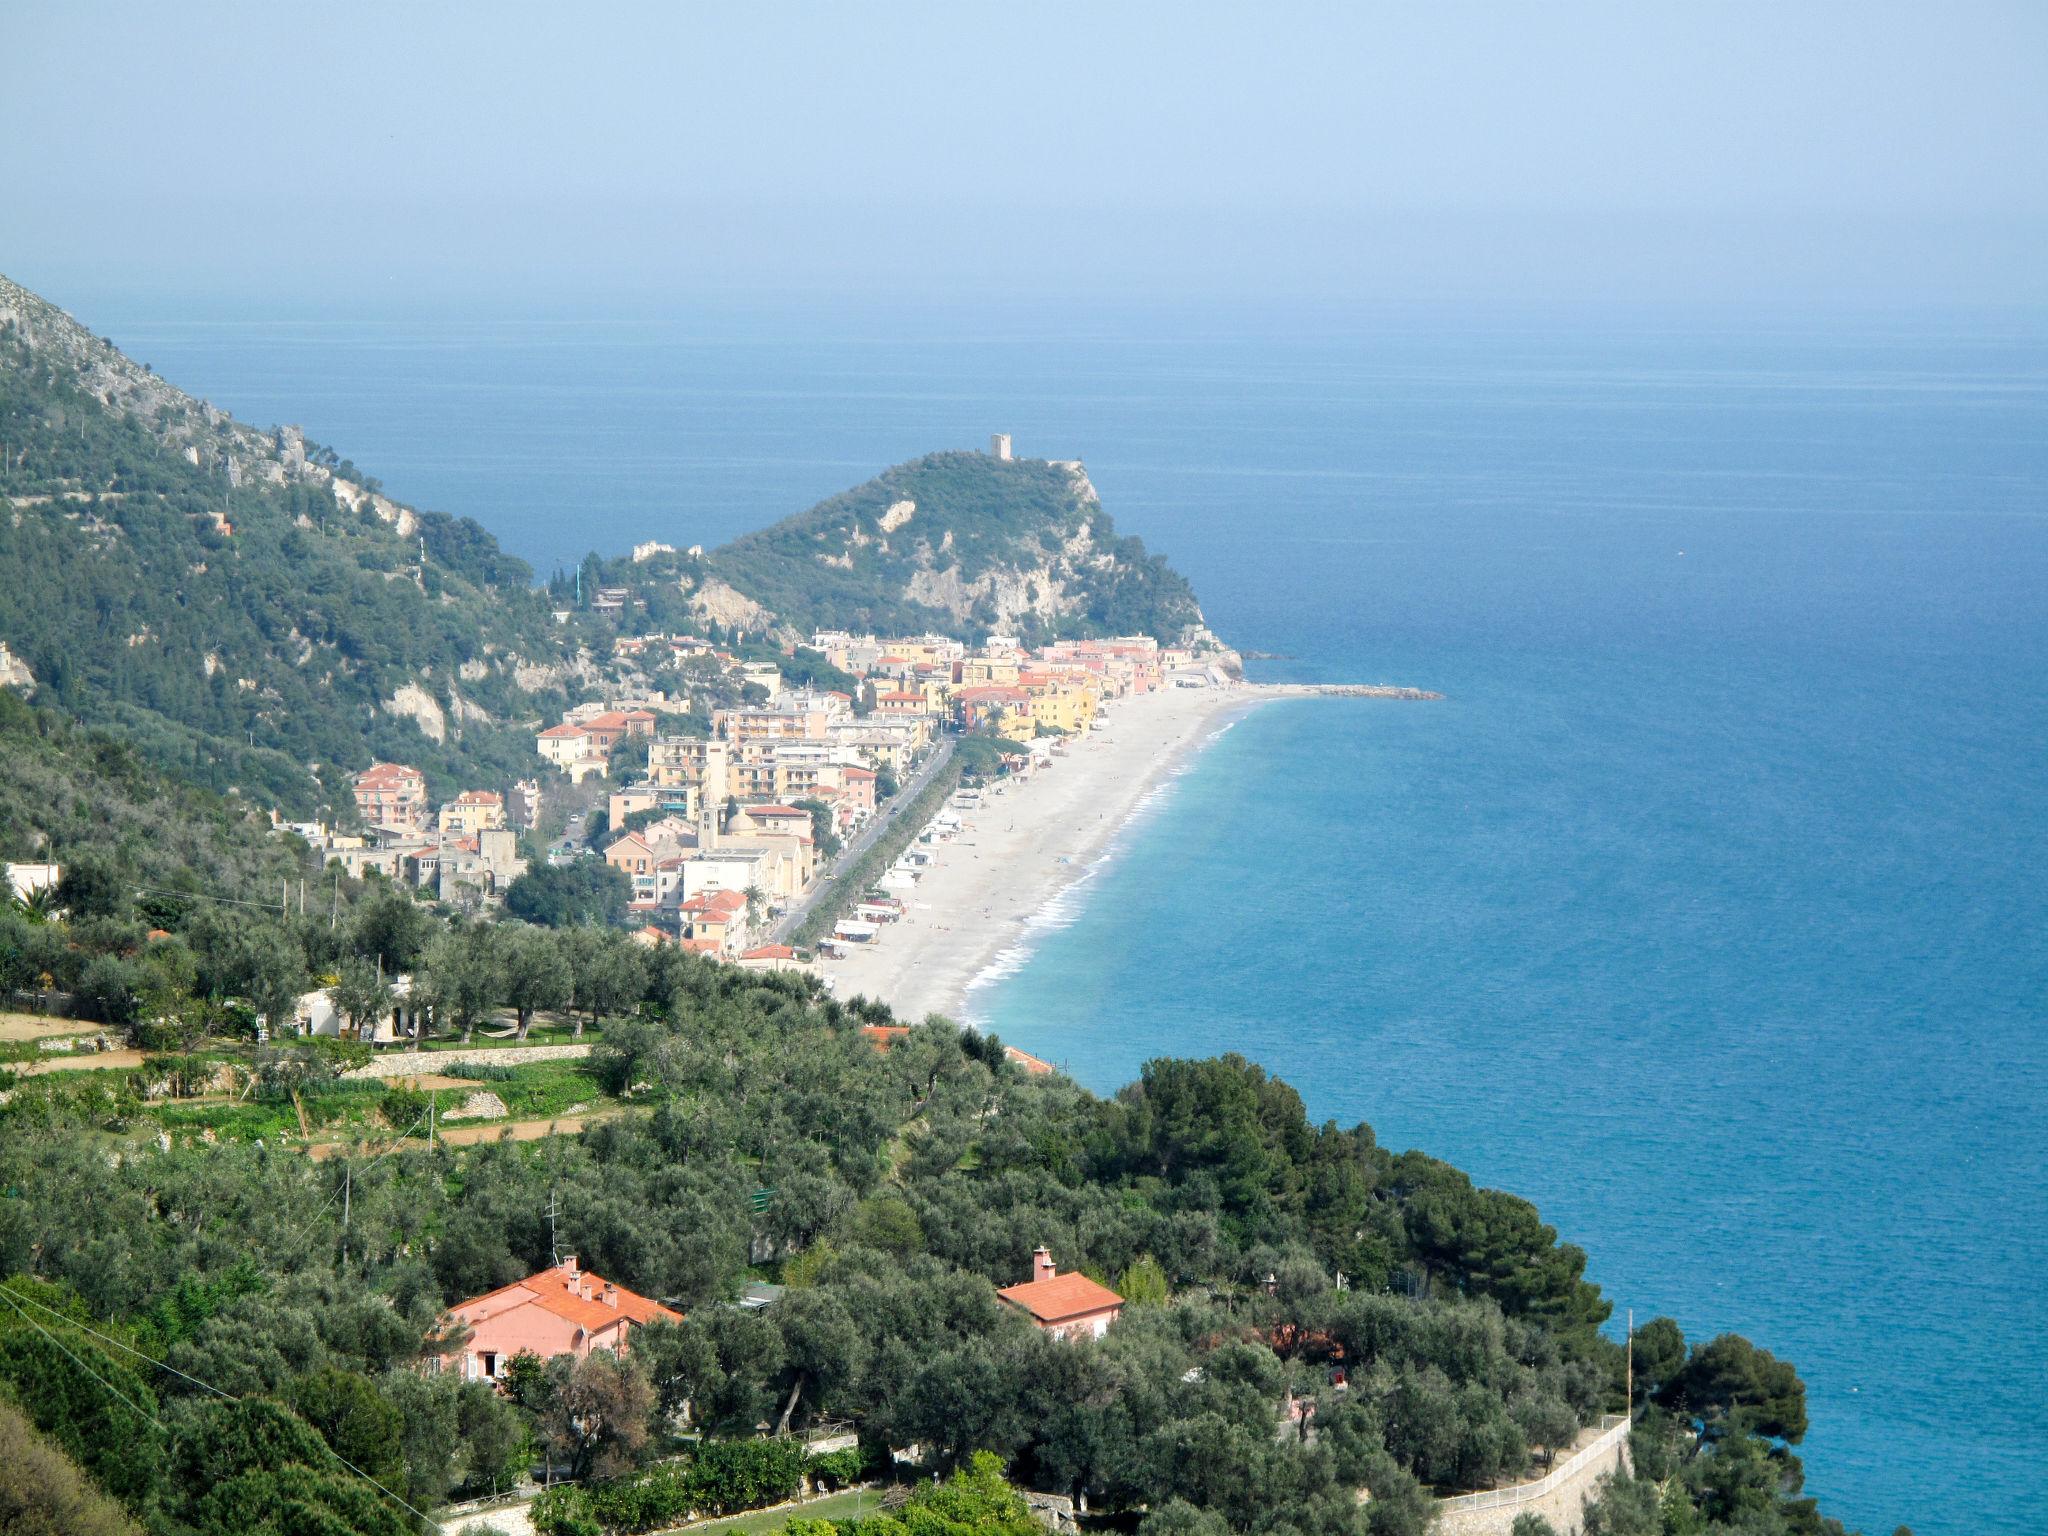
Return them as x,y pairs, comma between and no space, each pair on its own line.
725,1477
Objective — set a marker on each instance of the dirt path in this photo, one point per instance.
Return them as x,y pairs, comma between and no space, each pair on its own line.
41,1026
471,1135
84,1061
521,1130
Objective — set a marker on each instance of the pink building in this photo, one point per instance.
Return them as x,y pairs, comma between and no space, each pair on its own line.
560,1311
1065,1306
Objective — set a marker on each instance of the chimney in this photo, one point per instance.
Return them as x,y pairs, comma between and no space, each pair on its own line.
611,1295
1041,1264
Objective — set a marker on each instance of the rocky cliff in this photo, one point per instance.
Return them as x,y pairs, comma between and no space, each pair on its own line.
959,543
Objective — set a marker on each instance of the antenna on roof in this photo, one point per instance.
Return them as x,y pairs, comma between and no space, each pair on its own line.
554,1248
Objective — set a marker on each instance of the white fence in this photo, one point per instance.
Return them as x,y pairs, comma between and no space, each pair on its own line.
1614,1427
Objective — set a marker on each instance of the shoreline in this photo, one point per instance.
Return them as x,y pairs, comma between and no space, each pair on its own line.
971,917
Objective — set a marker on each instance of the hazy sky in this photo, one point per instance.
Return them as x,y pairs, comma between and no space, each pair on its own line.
1374,153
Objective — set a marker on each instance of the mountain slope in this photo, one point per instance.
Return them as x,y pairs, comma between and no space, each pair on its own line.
68,794
959,543
248,609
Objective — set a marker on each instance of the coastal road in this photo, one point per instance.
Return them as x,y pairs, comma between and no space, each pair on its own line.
863,840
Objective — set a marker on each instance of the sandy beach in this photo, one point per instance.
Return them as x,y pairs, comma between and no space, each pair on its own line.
1024,846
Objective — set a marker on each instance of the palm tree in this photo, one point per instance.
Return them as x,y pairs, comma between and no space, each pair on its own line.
36,906
757,903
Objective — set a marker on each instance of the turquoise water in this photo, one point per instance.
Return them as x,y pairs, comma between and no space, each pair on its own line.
1708,909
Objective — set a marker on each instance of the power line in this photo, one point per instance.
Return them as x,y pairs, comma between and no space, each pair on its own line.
183,1376
157,890
95,1375
396,1142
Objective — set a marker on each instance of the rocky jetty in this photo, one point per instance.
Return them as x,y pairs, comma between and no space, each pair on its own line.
1349,691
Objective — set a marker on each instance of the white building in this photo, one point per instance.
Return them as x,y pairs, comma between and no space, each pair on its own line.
24,880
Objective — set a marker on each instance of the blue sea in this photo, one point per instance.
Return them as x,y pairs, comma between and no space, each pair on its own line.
1709,909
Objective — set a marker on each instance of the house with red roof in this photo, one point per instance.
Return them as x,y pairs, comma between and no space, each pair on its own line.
560,1311
1037,1066
990,706
1065,1306
716,920
613,726
392,795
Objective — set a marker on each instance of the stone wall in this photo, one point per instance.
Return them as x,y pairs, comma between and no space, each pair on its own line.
416,1063
1559,1496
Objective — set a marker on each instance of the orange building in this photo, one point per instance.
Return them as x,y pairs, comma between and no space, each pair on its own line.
560,1311
1065,1306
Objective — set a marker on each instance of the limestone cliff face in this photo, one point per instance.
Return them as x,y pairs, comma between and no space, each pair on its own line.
235,599
201,434
967,544
14,672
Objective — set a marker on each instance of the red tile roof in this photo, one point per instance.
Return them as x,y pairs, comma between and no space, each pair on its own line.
550,1291
1061,1297
769,952
716,903
1030,1063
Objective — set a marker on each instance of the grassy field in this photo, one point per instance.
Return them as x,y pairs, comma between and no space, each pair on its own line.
343,1109
852,1504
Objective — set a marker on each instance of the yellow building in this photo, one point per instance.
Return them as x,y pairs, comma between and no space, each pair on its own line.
990,671
473,811
1063,707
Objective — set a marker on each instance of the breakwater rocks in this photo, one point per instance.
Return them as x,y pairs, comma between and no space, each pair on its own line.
1345,691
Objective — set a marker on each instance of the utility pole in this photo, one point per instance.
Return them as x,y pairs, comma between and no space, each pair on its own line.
348,1171
1629,1405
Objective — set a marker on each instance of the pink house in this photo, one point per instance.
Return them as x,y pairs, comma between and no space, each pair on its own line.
1065,1306
560,1311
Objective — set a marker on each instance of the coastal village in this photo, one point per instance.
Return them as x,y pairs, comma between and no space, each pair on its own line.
723,837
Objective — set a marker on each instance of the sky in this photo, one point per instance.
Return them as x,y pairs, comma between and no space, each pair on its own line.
1868,153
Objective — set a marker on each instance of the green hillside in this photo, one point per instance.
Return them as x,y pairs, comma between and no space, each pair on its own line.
254,614
249,611
80,797
962,544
